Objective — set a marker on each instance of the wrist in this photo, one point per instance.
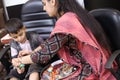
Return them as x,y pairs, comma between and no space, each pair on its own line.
21,64
32,52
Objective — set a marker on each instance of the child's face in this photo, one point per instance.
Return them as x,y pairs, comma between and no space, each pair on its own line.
20,36
50,6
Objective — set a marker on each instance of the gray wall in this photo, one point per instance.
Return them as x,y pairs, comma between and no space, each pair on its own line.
94,4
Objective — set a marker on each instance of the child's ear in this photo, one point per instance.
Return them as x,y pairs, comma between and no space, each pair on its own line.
24,28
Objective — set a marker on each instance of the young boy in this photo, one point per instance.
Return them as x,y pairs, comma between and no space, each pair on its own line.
23,42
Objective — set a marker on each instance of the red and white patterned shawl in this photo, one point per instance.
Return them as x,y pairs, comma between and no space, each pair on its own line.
70,24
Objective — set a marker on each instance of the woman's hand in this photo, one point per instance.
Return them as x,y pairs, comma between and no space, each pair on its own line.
23,53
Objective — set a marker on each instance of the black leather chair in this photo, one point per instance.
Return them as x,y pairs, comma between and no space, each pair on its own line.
35,19
110,22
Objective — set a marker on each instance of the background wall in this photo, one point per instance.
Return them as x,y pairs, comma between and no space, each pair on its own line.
2,22
0,3
94,4
1,18
1,15
13,7
9,3
81,3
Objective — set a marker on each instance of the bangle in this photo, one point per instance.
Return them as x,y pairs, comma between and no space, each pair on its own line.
21,64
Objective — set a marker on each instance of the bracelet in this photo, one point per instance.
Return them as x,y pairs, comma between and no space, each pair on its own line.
21,64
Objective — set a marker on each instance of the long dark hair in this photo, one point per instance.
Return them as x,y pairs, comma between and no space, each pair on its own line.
86,19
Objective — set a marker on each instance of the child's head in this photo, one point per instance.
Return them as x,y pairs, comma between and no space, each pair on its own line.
16,30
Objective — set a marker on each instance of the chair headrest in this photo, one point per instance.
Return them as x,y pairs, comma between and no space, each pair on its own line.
110,22
36,19
32,6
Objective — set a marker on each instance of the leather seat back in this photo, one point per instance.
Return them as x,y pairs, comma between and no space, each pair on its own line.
110,22
35,19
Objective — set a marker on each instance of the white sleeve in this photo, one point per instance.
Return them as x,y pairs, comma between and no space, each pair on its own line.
13,52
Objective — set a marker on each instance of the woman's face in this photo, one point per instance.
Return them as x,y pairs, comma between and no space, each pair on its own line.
20,36
50,6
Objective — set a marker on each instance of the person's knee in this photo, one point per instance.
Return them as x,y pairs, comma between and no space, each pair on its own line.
34,76
13,78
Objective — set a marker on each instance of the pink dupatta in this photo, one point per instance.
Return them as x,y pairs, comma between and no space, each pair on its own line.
91,50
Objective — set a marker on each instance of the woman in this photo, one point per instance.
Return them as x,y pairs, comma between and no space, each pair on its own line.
77,38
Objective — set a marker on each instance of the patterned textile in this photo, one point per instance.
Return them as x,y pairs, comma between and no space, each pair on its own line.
49,48
55,44
76,47
92,52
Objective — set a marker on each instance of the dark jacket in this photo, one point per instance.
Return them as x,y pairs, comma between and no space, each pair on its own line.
34,39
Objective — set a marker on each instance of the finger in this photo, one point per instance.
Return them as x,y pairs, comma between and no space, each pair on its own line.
15,62
21,53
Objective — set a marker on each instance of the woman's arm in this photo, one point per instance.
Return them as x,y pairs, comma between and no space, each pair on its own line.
48,49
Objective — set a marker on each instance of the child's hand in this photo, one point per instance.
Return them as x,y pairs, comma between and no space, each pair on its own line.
20,70
15,62
23,53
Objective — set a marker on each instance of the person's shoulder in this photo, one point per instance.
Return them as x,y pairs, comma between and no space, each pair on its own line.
68,16
33,35
31,32
13,44
70,13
